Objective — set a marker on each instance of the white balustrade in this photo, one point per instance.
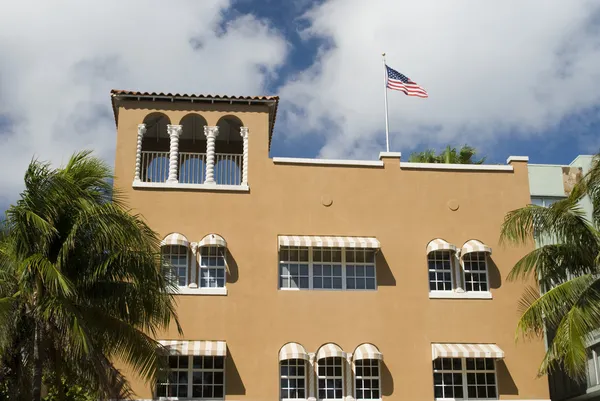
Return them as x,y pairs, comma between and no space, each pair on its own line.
154,166
228,168
192,167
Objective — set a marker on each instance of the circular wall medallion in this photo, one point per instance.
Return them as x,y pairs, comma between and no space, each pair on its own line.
453,205
326,200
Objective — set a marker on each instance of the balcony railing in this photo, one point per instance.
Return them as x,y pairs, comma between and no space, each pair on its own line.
228,168
155,166
192,168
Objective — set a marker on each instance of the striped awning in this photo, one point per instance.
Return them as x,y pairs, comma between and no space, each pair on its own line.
466,351
213,239
367,351
293,351
329,242
175,239
439,244
330,350
204,348
474,246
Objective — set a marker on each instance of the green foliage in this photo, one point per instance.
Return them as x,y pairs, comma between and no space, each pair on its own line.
80,285
464,155
567,264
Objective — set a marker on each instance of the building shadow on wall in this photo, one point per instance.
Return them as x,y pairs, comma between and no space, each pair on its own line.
233,273
233,382
494,274
387,380
385,277
506,384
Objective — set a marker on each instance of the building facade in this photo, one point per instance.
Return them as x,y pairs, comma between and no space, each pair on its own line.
323,279
548,184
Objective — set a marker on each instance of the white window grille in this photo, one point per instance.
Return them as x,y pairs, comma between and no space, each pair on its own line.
175,263
293,379
327,268
440,270
475,271
330,379
464,378
367,379
212,267
198,377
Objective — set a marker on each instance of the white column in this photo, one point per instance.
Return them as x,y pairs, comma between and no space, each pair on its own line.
458,272
194,248
211,133
311,377
349,393
244,134
138,154
173,131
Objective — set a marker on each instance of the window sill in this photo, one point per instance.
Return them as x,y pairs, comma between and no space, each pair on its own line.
200,291
460,295
200,187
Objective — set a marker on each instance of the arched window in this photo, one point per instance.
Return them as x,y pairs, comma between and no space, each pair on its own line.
367,372
228,151
213,264
330,372
155,149
192,150
174,258
474,256
293,367
440,264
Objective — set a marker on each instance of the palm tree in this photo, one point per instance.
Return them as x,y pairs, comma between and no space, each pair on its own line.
80,285
465,155
567,265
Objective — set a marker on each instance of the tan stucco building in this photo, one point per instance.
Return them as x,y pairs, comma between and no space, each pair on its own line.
323,279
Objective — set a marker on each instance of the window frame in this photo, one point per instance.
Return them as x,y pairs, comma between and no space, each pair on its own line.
171,266
342,376
465,386
594,350
378,377
453,268
190,385
311,263
487,274
296,377
208,267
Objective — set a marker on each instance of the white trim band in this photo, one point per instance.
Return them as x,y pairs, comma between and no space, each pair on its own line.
444,166
327,162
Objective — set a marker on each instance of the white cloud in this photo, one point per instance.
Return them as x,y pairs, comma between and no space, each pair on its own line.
60,59
490,68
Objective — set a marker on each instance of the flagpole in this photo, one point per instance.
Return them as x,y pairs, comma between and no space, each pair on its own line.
387,125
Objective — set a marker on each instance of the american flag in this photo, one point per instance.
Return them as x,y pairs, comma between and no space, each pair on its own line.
401,82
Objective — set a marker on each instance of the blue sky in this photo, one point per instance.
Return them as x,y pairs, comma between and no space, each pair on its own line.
508,77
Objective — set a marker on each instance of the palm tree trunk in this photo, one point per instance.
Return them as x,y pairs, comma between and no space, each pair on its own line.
37,364
36,394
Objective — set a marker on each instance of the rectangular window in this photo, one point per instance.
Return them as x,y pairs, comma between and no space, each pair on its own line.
440,270
330,378
544,201
212,267
464,378
193,377
327,268
475,270
293,379
175,263
367,379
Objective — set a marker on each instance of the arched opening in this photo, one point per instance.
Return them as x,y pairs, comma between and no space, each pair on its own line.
155,149
228,151
192,150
